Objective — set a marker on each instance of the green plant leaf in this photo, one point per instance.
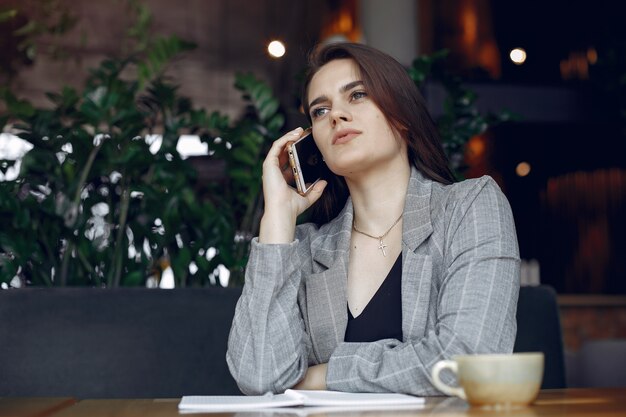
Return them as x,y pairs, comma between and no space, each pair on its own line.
268,109
275,123
6,15
241,174
29,28
133,279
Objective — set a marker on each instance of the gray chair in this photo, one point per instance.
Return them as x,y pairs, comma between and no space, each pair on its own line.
602,363
115,343
539,330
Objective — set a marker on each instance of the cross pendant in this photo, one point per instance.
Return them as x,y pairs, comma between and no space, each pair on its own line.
382,247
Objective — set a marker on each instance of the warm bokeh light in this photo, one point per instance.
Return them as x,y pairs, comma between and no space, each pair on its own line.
592,56
576,66
522,169
475,148
276,49
341,23
518,56
469,21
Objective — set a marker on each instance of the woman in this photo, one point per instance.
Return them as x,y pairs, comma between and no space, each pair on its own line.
407,267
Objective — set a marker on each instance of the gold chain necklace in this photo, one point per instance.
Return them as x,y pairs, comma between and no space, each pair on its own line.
380,238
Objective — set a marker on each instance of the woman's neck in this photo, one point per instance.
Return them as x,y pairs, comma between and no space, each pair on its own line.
378,197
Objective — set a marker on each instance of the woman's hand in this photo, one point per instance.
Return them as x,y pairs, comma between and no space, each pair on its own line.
315,378
283,204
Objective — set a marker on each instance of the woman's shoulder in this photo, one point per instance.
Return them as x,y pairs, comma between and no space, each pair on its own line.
468,188
482,195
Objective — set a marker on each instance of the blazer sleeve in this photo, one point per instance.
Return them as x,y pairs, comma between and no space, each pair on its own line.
475,310
268,347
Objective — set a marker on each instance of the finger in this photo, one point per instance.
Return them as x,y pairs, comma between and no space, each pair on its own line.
279,144
285,165
287,172
316,192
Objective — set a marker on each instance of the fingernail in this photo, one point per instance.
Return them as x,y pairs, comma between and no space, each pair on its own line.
297,131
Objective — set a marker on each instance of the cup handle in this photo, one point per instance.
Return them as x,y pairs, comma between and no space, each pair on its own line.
446,389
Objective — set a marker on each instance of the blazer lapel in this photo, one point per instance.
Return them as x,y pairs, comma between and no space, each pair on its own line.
326,291
416,268
416,224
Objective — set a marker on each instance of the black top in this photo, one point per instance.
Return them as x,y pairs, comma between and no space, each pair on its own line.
382,316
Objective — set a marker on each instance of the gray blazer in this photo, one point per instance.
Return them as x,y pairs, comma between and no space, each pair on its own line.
460,283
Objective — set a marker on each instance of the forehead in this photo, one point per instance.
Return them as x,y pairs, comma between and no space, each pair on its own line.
332,76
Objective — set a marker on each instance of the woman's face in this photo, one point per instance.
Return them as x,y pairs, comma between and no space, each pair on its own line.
349,128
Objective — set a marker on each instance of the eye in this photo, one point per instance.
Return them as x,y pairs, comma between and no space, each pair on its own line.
318,112
358,95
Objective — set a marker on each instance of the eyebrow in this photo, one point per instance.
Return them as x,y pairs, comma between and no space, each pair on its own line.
343,89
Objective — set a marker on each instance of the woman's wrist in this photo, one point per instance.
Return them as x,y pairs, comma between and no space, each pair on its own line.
277,228
314,379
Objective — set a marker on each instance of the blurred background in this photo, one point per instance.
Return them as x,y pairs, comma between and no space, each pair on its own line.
557,68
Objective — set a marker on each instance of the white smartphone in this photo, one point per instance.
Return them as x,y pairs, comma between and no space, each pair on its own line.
306,162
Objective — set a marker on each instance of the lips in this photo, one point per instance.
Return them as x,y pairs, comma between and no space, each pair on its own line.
345,135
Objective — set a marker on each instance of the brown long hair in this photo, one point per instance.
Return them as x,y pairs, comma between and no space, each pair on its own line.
398,98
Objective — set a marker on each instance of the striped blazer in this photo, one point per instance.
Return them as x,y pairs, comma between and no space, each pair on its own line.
460,283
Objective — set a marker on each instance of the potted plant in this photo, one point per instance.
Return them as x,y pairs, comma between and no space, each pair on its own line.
94,205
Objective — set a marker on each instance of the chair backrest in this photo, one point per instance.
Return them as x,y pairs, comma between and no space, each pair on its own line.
602,363
539,330
115,343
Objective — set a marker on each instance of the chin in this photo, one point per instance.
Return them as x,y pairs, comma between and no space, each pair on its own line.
340,162
347,167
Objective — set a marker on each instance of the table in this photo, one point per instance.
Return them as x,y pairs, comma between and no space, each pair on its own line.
33,407
605,402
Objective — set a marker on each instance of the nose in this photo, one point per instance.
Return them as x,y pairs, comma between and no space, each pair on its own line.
339,114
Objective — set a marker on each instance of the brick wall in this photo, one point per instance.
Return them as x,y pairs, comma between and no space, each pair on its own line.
586,318
231,35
